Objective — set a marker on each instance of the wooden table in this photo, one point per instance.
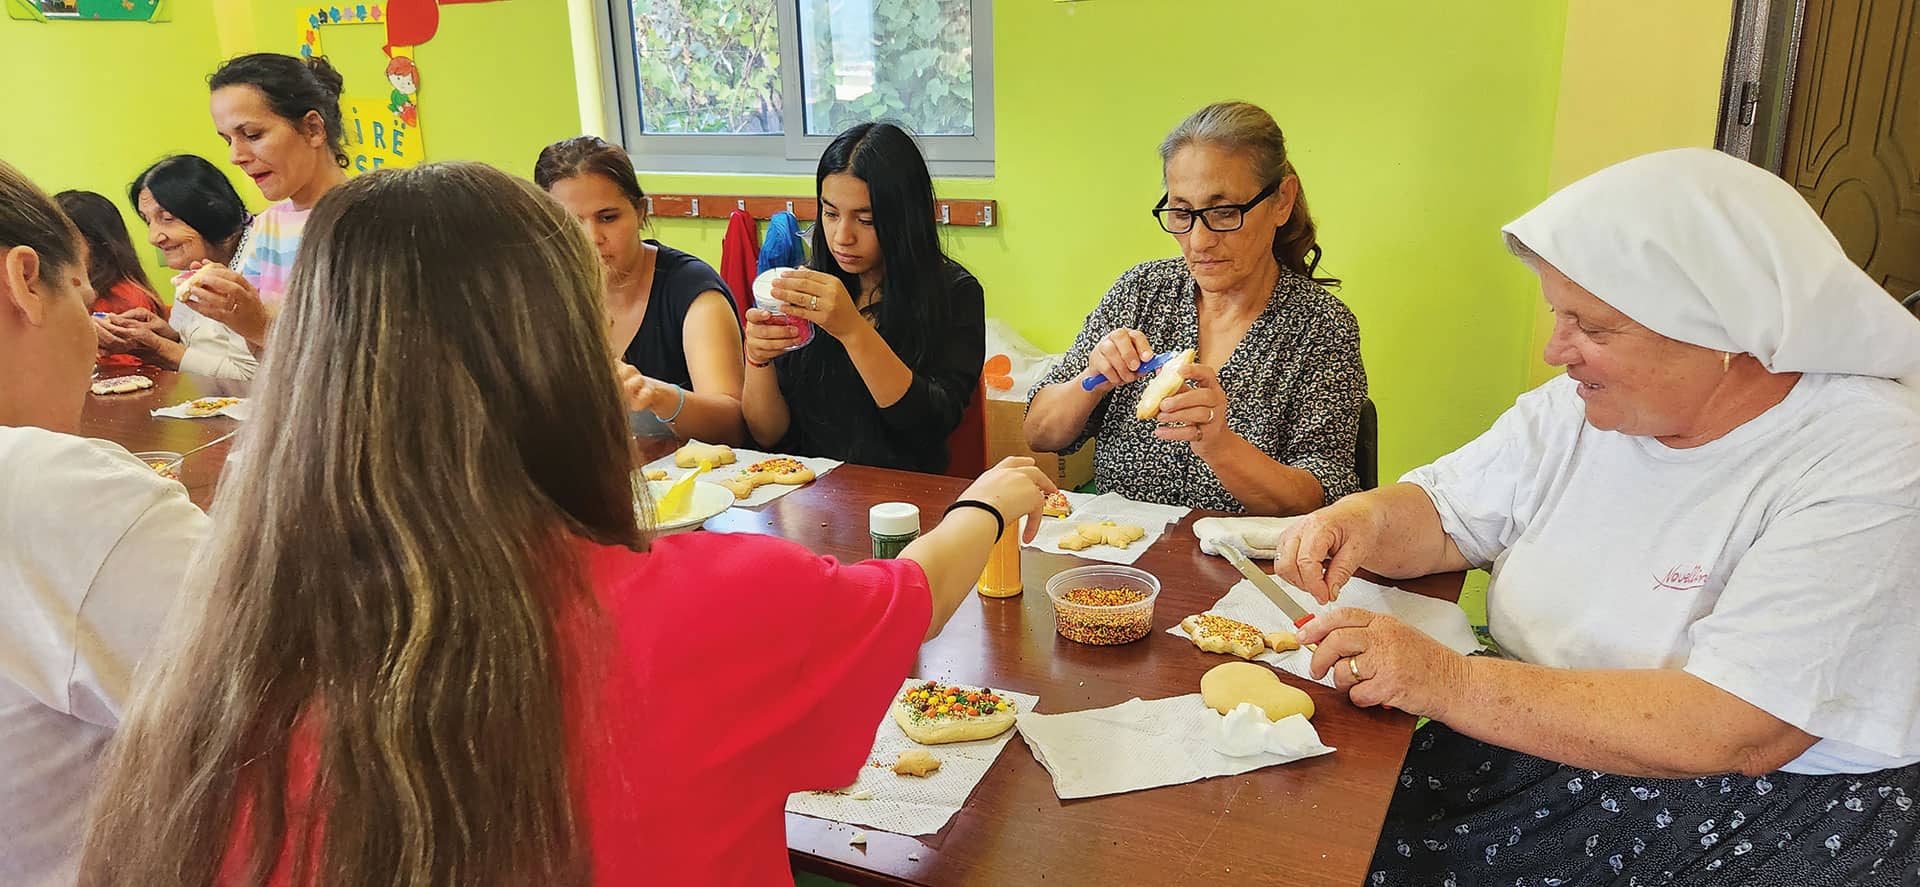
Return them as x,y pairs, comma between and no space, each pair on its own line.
1309,822
125,419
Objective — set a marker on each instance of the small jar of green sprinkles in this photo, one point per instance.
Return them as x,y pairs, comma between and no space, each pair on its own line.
892,525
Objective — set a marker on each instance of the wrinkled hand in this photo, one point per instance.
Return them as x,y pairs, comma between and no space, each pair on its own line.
110,339
640,392
821,298
1321,551
222,294
1118,356
1197,413
1379,660
142,327
1015,487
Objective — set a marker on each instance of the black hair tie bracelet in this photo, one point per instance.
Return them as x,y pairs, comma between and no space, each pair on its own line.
975,503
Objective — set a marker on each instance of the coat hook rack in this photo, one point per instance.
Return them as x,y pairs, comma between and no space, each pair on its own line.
954,213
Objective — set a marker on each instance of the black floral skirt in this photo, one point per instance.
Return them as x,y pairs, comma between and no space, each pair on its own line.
1470,813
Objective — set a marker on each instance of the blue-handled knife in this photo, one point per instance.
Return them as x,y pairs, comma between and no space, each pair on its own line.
1154,363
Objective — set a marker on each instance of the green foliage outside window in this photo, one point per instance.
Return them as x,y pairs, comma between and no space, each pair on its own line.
713,66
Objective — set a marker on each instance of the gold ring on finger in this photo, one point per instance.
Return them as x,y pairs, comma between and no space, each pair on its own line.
1353,668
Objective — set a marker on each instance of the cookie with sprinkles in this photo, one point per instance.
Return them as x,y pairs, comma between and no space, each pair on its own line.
1218,634
777,470
931,713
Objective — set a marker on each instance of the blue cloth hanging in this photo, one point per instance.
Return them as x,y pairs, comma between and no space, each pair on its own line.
782,247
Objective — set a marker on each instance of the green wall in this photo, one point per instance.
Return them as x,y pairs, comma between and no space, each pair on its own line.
1417,130
496,81
86,108
497,85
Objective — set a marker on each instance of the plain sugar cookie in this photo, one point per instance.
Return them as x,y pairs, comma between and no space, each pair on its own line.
1164,384
695,452
1225,686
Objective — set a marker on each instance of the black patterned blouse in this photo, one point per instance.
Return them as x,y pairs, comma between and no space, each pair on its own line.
1294,386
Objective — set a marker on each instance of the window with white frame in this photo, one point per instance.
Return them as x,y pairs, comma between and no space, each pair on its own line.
762,86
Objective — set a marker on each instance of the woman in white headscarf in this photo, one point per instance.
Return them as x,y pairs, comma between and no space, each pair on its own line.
1705,547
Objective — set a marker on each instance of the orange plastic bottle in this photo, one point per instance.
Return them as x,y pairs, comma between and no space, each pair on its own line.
1001,578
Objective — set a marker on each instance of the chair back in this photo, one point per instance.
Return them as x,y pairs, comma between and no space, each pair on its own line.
967,445
1366,450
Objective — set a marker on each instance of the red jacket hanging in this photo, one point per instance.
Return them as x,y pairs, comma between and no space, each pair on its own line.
739,256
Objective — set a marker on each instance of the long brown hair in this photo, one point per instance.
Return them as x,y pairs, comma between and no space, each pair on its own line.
110,255
1250,130
438,426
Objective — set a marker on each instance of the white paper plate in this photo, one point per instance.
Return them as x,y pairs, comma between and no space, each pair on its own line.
709,499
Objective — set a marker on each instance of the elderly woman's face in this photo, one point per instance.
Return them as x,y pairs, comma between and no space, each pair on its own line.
1634,380
1201,175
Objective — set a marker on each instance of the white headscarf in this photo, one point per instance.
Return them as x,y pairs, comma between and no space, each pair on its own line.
1713,251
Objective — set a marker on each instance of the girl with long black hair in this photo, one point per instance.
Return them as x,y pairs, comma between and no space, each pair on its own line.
900,327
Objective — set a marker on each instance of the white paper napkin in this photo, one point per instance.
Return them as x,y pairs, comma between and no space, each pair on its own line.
1442,620
235,410
742,459
1257,537
1148,516
1140,744
910,805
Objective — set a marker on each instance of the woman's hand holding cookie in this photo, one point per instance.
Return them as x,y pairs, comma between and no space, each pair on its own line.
1197,413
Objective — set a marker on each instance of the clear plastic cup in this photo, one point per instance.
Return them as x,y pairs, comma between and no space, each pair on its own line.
166,463
1122,622
764,300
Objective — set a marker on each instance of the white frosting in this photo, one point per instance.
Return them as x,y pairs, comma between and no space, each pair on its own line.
1245,731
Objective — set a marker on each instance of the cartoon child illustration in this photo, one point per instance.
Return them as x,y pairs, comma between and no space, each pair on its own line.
405,77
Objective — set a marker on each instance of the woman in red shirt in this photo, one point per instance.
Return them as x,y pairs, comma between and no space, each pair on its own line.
119,282
429,644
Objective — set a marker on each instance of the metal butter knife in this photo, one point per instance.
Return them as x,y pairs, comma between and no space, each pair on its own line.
1271,588
1267,586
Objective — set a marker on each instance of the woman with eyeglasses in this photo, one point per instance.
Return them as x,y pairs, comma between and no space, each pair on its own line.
1267,420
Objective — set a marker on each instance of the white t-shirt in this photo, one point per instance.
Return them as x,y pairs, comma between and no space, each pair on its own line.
213,348
1780,563
93,544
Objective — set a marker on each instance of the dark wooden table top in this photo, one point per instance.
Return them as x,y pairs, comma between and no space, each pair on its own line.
126,420
1312,821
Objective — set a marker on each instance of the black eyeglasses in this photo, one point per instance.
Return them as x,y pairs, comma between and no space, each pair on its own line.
1221,218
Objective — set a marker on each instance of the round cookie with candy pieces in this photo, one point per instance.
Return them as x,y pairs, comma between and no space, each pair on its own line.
122,385
932,713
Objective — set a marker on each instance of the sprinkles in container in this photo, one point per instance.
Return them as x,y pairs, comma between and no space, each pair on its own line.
1103,604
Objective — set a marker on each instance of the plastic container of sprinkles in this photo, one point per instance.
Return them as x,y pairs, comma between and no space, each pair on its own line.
1103,604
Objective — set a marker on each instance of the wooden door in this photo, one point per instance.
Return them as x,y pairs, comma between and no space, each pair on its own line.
1853,131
